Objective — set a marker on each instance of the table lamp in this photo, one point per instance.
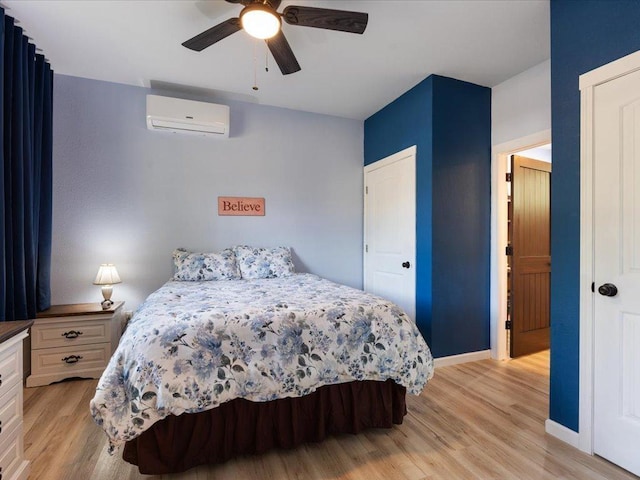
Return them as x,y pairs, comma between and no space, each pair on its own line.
107,276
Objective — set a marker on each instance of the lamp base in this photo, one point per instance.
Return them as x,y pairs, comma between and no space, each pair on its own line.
106,304
107,290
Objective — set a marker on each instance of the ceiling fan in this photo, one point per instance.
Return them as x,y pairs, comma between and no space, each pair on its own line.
260,19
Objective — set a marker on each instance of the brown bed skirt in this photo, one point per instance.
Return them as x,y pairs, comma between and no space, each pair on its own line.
240,427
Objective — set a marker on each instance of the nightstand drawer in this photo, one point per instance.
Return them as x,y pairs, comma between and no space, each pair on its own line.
53,364
10,411
60,334
10,369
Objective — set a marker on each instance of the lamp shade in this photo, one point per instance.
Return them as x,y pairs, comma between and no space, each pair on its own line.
107,275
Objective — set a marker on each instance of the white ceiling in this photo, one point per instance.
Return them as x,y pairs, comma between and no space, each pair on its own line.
348,75
543,153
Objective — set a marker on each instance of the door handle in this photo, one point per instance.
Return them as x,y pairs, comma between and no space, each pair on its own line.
406,265
608,290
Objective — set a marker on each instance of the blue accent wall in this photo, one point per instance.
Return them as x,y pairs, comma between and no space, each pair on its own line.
461,217
405,122
449,121
584,35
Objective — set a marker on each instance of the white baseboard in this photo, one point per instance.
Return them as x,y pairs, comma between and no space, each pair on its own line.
462,358
562,433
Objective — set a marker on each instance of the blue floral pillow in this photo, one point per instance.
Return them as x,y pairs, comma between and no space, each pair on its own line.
264,262
191,267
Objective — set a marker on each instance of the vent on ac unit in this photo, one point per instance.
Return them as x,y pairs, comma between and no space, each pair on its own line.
186,116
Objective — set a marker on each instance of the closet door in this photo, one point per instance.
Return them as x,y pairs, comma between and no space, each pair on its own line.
390,229
616,300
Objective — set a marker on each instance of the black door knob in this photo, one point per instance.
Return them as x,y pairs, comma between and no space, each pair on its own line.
406,265
608,290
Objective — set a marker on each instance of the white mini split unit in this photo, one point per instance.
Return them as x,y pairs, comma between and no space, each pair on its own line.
186,116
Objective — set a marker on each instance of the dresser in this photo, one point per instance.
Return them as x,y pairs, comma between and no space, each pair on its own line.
13,465
73,341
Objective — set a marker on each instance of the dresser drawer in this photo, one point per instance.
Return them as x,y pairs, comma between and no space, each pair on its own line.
10,411
79,332
10,368
11,461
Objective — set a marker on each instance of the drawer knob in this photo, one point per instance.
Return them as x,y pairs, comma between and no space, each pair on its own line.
71,359
0,432
72,334
0,386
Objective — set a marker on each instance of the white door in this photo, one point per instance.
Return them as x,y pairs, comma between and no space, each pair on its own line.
616,207
390,229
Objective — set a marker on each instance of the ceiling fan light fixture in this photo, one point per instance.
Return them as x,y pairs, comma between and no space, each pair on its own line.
260,21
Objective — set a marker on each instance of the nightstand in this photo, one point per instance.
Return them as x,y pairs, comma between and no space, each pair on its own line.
73,341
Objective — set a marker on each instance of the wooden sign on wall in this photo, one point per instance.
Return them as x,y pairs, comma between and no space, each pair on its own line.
243,206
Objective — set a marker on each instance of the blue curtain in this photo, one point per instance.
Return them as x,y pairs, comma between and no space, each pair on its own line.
26,108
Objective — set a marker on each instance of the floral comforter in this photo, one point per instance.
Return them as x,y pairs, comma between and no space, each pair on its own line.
194,345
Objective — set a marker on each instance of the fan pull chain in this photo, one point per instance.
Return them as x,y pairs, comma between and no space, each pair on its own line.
255,65
266,56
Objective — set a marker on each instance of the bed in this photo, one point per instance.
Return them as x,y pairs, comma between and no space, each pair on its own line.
212,368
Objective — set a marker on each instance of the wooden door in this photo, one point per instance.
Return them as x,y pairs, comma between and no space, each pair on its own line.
616,300
390,229
531,255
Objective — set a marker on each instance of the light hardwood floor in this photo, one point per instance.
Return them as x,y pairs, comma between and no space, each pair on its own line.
481,420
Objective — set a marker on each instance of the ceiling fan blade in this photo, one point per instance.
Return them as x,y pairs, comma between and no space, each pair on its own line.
213,35
283,54
341,20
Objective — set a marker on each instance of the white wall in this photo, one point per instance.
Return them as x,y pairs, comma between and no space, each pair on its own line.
521,105
129,196
520,120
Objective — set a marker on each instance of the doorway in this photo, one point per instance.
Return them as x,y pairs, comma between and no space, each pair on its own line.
499,234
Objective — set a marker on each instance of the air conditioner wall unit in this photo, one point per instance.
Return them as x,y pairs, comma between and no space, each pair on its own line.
186,116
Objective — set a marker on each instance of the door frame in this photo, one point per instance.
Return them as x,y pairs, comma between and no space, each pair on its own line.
587,83
498,271
393,158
